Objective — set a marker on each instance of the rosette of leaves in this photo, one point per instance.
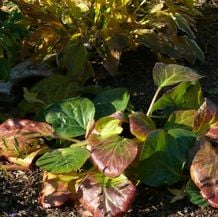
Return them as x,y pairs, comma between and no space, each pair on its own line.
80,30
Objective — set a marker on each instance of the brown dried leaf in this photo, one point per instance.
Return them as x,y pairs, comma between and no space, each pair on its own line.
21,136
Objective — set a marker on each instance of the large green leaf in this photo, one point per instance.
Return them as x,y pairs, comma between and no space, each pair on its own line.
181,119
204,171
166,75
104,196
110,101
70,117
185,140
161,161
140,125
185,96
63,160
194,194
74,58
113,154
206,120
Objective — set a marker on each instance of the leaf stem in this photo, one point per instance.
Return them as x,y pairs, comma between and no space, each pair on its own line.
149,112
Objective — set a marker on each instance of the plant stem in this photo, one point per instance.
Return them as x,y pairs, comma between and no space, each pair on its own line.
149,112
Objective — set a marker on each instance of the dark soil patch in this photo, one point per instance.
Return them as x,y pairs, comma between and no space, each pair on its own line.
19,189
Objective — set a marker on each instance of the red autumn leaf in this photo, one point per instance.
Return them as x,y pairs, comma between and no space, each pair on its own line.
104,196
21,136
206,119
204,171
113,154
140,125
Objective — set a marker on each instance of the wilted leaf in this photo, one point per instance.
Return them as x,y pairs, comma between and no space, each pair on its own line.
161,161
179,194
206,120
57,189
140,125
113,154
204,172
166,75
185,96
70,117
104,196
181,119
63,160
111,101
21,136
194,194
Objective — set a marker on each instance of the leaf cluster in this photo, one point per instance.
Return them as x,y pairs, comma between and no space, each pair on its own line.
96,151
78,31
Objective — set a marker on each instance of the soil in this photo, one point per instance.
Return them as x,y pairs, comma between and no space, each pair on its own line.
19,189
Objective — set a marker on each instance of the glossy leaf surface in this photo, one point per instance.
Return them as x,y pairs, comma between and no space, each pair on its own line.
140,125
104,196
70,117
206,120
166,75
161,161
204,172
113,154
111,101
181,119
185,96
63,160
21,136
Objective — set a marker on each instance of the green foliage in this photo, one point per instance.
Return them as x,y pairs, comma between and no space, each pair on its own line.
11,33
78,29
101,141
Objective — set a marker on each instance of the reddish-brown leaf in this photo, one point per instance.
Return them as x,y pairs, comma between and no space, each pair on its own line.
19,137
113,154
140,125
204,171
206,118
105,196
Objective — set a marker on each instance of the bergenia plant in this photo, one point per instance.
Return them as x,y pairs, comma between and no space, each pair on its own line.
105,150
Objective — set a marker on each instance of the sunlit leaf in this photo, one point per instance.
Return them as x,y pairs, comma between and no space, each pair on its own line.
204,172
21,136
104,196
181,119
194,194
63,160
113,154
70,117
57,189
108,126
140,125
161,161
166,75
111,101
183,24
206,120
185,96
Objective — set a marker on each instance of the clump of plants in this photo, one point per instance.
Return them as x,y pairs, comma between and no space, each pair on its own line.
12,31
95,151
80,31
